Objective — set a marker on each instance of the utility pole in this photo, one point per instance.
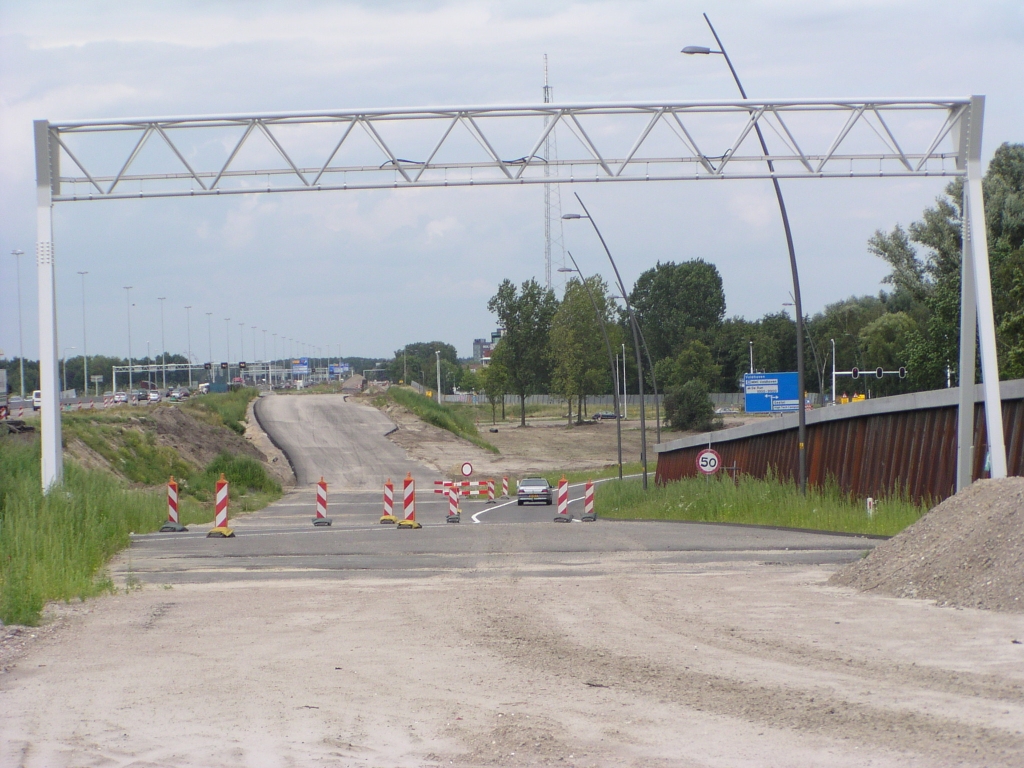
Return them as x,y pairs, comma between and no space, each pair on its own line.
85,359
438,353
128,298
188,330
21,345
163,345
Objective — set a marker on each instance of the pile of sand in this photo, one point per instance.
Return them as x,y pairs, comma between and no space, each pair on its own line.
968,551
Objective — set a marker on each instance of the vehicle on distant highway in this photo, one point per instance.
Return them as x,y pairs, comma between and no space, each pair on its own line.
15,400
155,396
120,397
534,489
37,400
600,415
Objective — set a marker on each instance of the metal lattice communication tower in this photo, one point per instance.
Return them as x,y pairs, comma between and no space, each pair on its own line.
553,242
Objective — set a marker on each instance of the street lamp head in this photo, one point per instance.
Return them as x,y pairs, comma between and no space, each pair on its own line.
690,50
574,216
566,269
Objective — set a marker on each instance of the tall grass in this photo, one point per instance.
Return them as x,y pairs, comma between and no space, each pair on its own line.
756,502
454,420
54,547
226,407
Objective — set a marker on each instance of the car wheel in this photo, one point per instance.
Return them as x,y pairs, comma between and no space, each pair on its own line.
519,502
548,502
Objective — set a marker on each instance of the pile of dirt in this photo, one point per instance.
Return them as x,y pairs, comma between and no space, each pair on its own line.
197,441
968,551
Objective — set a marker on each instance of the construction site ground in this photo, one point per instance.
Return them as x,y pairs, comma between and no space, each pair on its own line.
514,642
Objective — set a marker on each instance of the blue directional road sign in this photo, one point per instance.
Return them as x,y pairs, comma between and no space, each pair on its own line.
771,392
300,367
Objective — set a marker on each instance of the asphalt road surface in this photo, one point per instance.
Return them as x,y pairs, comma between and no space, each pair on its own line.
326,436
346,443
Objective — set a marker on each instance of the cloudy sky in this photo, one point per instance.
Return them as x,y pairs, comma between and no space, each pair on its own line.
367,272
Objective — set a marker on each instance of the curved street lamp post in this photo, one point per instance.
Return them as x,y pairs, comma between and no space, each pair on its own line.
801,413
635,329
611,358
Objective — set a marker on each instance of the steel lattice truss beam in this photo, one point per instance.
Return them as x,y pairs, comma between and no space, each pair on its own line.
499,145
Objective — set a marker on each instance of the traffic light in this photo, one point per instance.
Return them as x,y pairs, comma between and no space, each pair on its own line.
879,373
223,366
855,373
903,372
207,366
241,364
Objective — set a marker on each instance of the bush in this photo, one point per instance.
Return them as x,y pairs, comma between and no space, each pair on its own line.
690,407
244,475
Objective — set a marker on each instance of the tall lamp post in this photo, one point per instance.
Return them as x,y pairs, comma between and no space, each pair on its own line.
65,356
636,335
611,357
650,364
801,413
188,330
209,340
85,359
128,298
227,339
163,345
437,352
17,254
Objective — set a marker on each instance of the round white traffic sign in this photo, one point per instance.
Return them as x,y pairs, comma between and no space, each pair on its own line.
708,461
467,469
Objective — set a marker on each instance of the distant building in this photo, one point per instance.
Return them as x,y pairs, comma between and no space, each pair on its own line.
479,347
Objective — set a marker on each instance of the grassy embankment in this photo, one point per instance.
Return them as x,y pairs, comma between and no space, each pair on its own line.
54,546
750,501
455,420
227,408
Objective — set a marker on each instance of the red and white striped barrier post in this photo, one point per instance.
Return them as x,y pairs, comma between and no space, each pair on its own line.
454,513
504,487
220,529
589,515
388,518
409,503
173,525
563,515
490,491
321,518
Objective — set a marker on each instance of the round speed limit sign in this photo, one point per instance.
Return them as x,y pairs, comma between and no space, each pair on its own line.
708,461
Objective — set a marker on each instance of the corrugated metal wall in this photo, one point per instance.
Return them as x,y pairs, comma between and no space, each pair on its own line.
867,455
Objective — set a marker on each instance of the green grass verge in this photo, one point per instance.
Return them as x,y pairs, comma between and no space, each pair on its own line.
227,408
754,502
54,547
454,420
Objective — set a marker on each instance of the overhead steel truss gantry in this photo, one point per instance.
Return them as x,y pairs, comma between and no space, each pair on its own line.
498,146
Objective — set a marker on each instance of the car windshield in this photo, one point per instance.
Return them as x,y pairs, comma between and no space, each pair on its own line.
533,482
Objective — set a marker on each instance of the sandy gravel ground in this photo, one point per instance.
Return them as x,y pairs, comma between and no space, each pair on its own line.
638,665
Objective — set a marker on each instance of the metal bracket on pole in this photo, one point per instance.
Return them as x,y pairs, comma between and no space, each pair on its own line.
46,177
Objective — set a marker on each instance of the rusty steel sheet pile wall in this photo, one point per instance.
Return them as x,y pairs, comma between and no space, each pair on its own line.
904,444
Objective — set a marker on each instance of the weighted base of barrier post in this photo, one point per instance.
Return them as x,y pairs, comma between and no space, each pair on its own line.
388,519
589,518
170,527
453,519
408,524
220,533
322,522
563,518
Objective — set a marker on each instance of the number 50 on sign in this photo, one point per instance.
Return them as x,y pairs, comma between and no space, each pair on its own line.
708,461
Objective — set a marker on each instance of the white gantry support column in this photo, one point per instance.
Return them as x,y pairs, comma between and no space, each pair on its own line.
976,271
46,172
